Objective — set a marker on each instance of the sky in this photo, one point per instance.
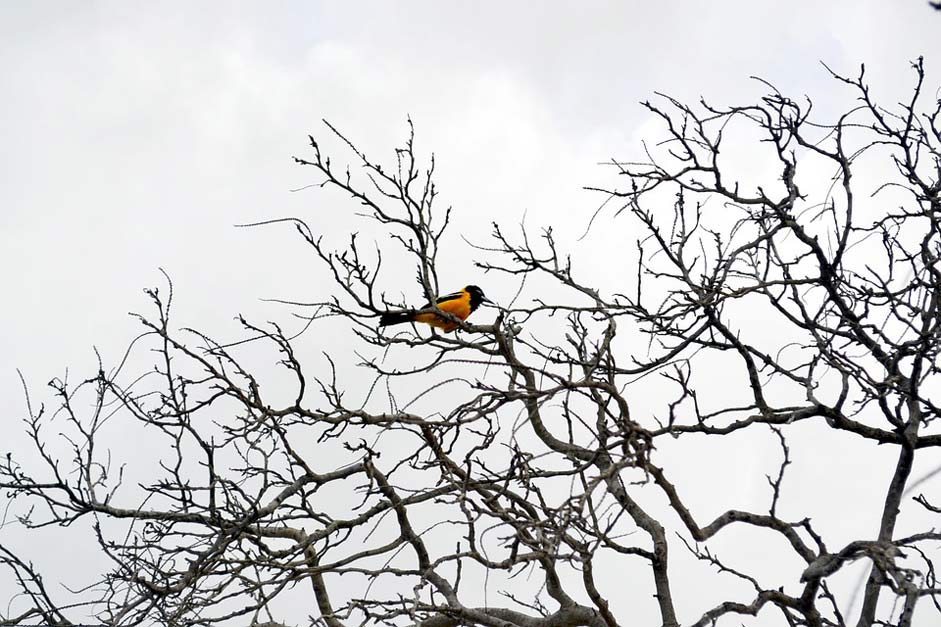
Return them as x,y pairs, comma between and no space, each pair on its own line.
136,135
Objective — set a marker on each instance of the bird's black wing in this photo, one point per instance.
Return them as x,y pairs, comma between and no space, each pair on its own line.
445,298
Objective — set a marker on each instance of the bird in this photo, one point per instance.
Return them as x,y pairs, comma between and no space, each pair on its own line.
460,304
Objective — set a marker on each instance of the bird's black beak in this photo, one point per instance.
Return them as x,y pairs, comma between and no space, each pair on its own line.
484,299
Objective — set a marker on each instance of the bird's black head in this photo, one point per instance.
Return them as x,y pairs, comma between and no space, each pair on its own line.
476,296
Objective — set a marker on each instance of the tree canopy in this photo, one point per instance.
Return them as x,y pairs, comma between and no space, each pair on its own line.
777,271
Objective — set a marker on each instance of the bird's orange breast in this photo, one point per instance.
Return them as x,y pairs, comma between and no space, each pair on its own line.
459,307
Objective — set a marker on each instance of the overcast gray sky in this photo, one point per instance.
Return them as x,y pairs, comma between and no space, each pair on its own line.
135,135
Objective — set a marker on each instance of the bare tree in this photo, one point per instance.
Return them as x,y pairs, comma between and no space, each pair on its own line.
516,484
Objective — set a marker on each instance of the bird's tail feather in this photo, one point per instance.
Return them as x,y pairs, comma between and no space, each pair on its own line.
394,317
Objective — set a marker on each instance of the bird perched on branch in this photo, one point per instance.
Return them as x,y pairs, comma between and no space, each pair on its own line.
459,304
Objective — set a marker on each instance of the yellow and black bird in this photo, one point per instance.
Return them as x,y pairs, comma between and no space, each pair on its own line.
459,304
